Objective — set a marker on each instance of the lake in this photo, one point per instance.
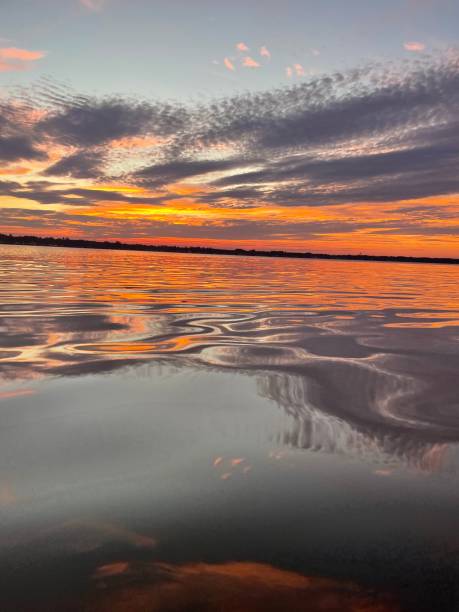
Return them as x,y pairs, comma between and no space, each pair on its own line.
198,432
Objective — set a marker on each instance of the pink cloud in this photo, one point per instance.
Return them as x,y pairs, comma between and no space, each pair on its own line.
20,54
228,63
242,47
289,72
264,52
414,46
13,59
250,63
299,69
93,5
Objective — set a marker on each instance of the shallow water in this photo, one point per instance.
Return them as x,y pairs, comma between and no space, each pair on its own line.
220,433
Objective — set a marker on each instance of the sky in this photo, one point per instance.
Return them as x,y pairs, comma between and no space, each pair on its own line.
298,125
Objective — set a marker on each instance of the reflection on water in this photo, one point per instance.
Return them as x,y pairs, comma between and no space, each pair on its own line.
245,587
278,413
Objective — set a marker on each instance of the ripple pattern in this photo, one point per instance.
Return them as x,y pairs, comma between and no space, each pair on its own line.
373,345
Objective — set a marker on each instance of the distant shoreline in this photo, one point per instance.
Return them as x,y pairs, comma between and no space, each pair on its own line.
123,246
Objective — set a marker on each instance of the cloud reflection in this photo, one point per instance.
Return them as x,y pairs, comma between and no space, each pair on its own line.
355,368
239,586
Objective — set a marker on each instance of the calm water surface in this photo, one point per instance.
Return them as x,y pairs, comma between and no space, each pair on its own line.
183,432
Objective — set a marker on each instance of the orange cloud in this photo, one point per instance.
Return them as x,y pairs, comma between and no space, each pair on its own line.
250,63
24,55
242,47
13,59
137,142
14,170
228,63
414,46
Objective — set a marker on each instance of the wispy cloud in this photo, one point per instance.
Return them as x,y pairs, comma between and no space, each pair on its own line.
289,72
368,137
242,47
228,63
264,52
249,62
415,46
315,52
13,59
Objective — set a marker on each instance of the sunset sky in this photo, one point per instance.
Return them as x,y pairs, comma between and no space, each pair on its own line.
298,125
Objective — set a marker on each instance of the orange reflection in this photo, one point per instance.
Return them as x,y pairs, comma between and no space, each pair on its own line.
107,309
227,587
216,300
7,496
112,569
90,535
5,395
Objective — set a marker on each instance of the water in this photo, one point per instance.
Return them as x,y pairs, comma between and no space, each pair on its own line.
184,432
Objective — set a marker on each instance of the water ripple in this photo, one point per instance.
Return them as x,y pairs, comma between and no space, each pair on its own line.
367,346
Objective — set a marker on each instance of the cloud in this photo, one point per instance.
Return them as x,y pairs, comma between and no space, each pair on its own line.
315,52
299,69
289,72
242,47
83,164
14,59
421,171
228,63
90,122
171,172
407,129
378,134
93,5
18,140
19,147
264,52
414,46
249,62
223,228
49,193
13,53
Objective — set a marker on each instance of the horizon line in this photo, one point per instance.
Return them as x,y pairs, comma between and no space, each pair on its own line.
84,243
